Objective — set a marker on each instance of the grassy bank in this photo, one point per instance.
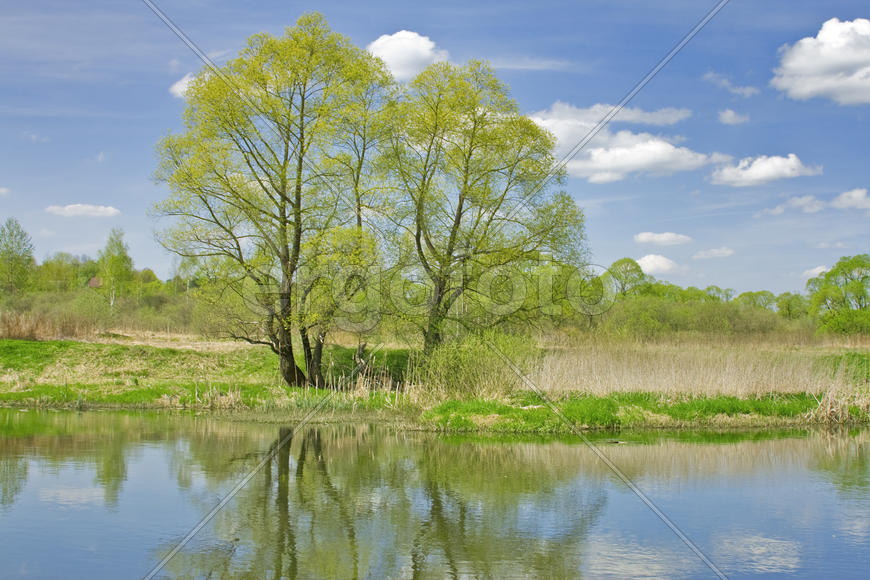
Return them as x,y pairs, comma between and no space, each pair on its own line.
611,385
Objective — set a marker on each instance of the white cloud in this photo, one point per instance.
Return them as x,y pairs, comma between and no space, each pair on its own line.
179,87
852,199
855,198
663,239
5,191
805,203
570,123
722,252
616,155
406,53
644,153
834,64
83,210
100,157
813,272
729,117
722,81
657,264
829,245
762,169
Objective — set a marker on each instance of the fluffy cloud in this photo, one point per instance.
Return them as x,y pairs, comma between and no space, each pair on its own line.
570,124
834,64
406,53
616,155
852,199
179,87
83,210
813,272
657,264
762,169
729,117
663,239
722,252
855,198
722,81
644,154
5,191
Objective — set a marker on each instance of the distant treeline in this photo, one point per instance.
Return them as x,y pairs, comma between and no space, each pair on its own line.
75,296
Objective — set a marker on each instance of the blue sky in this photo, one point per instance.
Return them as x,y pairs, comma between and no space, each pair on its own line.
742,164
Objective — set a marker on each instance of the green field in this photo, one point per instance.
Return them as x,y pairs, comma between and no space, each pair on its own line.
245,380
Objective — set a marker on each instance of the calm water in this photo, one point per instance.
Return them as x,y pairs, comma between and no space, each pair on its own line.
106,495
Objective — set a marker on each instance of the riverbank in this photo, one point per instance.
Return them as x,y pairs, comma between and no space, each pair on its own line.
684,386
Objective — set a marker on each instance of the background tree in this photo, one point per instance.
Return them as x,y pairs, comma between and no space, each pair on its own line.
249,176
792,306
627,276
116,265
840,297
761,299
469,168
16,257
60,272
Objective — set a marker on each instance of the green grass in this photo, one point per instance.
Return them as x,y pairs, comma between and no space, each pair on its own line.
528,414
856,366
73,374
26,355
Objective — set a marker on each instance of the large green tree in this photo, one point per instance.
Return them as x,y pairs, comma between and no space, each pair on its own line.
470,168
16,257
256,174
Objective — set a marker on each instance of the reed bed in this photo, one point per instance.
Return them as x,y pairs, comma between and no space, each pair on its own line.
680,369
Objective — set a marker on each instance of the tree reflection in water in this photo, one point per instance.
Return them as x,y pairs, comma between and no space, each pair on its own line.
363,501
355,502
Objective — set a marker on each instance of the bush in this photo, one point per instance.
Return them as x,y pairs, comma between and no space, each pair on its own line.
468,367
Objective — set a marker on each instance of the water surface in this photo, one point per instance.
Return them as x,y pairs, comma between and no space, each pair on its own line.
108,494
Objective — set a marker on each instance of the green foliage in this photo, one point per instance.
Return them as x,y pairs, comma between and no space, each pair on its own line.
16,257
116,265
840,297
252,177
471,366
627,275
647,316
792,306
465,162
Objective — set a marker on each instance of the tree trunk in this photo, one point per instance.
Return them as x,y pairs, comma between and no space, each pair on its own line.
313,357
306,353
432,336
316,369
290,371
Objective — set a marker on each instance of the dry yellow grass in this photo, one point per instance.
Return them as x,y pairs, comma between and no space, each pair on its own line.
683,368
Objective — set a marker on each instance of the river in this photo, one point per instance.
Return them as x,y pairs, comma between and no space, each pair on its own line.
103,494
